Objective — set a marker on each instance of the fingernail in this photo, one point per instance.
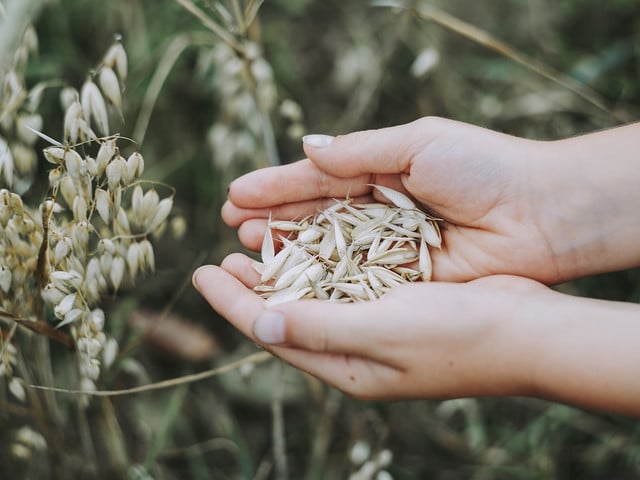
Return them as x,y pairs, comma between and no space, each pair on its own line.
196,277
269,328
317,140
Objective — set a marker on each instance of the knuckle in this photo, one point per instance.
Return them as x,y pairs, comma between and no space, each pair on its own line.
319,339
230,260
357,139
306,334
324,183
430,122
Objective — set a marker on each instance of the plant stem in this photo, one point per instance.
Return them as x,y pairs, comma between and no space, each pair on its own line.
266,127
237,11
269,138
325,426
211,25
277,431
177,46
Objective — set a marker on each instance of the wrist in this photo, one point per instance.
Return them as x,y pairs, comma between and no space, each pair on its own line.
585,198
503,358
583,352
518,339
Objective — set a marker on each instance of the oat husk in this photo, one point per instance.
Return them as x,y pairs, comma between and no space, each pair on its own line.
348,252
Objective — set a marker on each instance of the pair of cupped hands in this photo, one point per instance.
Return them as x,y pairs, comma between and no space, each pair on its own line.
518,216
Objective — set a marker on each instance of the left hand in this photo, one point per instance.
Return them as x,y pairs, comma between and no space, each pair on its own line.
423,340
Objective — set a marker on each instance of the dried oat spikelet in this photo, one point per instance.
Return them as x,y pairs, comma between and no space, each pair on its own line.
20,239
8,358
349,252
26,442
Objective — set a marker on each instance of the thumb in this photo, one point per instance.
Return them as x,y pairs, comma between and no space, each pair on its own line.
317,326
386,150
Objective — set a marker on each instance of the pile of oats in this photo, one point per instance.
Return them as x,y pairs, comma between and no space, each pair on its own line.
349,252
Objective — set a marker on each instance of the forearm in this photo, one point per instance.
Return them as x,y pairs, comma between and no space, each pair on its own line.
583,352
589,195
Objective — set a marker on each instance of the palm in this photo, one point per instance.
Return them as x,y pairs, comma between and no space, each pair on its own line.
477,181
490,224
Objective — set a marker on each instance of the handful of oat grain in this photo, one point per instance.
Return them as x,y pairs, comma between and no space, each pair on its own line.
348,252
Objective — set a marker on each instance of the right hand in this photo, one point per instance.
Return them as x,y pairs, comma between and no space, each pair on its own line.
482,183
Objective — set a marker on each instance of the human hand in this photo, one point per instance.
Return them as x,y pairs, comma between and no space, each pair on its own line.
499,335
549,211
480,182
423,340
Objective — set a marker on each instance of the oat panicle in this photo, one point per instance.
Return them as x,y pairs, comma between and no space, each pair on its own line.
92,235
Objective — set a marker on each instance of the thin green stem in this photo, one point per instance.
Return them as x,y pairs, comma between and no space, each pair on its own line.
177,46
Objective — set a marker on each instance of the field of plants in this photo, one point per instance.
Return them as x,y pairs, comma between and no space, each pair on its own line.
121,125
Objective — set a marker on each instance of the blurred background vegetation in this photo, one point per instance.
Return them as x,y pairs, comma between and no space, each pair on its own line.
204,114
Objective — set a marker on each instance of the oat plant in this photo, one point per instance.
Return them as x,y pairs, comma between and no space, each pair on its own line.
90,236
244,85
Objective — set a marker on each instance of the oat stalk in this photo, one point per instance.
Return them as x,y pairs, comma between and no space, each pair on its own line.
256,358
224,35
487,40
175,49
278,427
244,48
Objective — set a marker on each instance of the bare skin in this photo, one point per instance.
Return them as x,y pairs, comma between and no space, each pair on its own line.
514,208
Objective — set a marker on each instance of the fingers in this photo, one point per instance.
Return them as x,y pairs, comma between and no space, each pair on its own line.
296,182
336,167
313,325
234,215
251,233
387,150
339,168
349,368
240,266
358,377
325,327
229,296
